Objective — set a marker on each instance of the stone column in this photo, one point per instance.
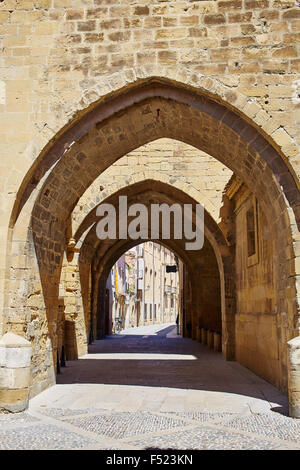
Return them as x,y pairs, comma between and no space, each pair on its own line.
101,309
203,336
15,360
210,339
217,342
294,376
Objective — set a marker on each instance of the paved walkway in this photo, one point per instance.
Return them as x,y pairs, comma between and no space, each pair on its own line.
149,388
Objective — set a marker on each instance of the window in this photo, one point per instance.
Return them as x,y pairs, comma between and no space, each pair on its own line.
252,233
145,312
150,311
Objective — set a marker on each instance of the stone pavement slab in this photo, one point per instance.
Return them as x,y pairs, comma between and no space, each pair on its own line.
149,388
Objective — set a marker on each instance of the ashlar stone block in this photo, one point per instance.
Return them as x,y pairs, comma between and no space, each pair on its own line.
294,376
15,361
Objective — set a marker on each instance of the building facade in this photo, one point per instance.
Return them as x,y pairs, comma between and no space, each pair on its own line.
141,291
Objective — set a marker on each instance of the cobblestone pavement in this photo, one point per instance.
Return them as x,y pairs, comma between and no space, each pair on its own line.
150,389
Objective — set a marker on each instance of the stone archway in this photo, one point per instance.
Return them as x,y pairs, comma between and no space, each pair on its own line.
102,255
139,114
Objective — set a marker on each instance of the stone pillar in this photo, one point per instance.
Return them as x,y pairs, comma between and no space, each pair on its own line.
203,336
70,341
15,361
194,328
210,339
101,309
217,342
294,376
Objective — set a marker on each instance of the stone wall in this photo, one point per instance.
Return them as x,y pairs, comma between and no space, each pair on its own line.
62,58
259,337
257,342
172,162
208,314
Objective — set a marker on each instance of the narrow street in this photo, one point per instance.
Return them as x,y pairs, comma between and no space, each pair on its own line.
149,388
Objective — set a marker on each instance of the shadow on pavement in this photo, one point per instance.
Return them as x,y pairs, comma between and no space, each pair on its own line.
196,367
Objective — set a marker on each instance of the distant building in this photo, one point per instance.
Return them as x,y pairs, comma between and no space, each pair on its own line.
140,291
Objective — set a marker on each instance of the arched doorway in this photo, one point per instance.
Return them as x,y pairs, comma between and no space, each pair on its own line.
130,118
213,262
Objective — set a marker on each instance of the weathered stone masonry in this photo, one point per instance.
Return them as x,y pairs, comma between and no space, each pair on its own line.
92,95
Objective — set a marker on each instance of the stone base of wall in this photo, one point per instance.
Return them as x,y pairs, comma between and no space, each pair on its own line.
15,360
294,376
41,386
257,345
